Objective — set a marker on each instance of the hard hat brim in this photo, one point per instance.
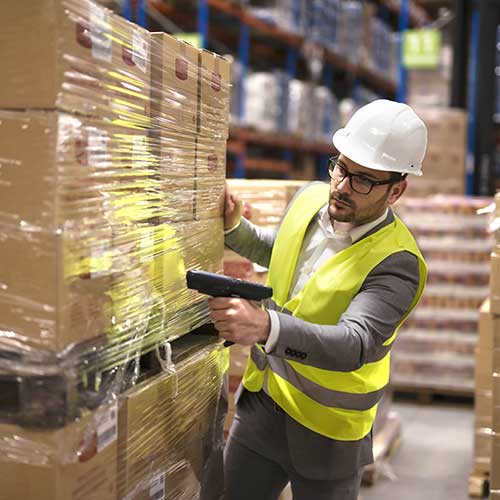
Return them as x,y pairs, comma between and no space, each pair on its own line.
342,144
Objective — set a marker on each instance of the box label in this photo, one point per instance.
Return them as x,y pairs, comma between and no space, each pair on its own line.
140,49
100,33
157,487
107,428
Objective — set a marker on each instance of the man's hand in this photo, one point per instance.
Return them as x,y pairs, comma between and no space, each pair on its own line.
233,209
240,321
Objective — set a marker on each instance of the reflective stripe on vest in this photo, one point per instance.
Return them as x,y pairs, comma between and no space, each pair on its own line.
340,405
320,394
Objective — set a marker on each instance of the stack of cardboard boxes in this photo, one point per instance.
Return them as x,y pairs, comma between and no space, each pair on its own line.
445,160
112,166
435,347
492,321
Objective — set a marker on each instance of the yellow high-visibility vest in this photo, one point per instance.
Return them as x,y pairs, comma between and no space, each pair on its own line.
339,405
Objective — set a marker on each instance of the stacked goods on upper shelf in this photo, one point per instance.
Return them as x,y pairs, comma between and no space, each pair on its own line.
435,347
274,103
350,28
312,111
112,174
444,162
265,94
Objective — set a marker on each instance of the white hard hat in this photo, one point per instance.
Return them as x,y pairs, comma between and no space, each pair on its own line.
384,135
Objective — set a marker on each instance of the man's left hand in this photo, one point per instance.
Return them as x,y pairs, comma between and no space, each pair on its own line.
240,321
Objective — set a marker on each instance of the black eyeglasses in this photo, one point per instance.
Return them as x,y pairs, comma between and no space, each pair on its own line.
359,183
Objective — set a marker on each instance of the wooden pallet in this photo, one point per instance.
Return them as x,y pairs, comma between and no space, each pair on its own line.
385,444
427,394
479,484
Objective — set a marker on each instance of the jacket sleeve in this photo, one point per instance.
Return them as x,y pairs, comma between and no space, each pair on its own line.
252,242
371,318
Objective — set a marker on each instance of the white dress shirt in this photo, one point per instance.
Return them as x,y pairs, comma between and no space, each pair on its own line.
322,241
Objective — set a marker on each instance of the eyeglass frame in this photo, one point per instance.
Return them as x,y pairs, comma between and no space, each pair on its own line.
333,160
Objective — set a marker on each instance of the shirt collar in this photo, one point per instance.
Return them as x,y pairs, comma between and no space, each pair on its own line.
355,233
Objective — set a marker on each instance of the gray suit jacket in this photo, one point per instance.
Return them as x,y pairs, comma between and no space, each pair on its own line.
358,337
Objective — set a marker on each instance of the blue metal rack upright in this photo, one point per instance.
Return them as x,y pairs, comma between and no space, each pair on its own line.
244,58
404,21
142,13
471,102
203,20
291,70
127,9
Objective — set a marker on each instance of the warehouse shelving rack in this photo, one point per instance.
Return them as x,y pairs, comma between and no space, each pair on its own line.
255,34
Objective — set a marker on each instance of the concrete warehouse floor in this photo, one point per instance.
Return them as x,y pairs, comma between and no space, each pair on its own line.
434,459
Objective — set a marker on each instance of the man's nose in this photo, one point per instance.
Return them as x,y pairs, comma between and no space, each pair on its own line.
344,185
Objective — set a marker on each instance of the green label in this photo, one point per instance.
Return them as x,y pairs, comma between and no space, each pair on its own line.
421,48
193,38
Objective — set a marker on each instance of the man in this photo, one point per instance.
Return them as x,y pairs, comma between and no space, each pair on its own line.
345,272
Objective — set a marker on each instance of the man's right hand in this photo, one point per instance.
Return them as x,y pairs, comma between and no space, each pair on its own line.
233,209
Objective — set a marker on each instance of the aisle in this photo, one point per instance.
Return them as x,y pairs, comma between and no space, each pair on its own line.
434,459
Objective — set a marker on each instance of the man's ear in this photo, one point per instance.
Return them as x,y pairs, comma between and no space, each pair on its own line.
396,191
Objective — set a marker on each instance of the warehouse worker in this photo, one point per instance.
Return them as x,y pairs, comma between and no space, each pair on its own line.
345,272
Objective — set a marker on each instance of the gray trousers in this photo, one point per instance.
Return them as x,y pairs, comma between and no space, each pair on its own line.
257,462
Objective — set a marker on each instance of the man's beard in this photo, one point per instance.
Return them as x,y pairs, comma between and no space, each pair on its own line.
351,214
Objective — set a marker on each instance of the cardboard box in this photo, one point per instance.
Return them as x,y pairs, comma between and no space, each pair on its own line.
447,127
496,402
171,423
70,204
74,463
176,152
484,358
92,61
215,76
190,111
495,284
185,246
482,449
174,85
210,178
75,169
495,462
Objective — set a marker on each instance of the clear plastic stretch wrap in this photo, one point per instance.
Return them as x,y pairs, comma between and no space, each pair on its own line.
112,169
162,439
